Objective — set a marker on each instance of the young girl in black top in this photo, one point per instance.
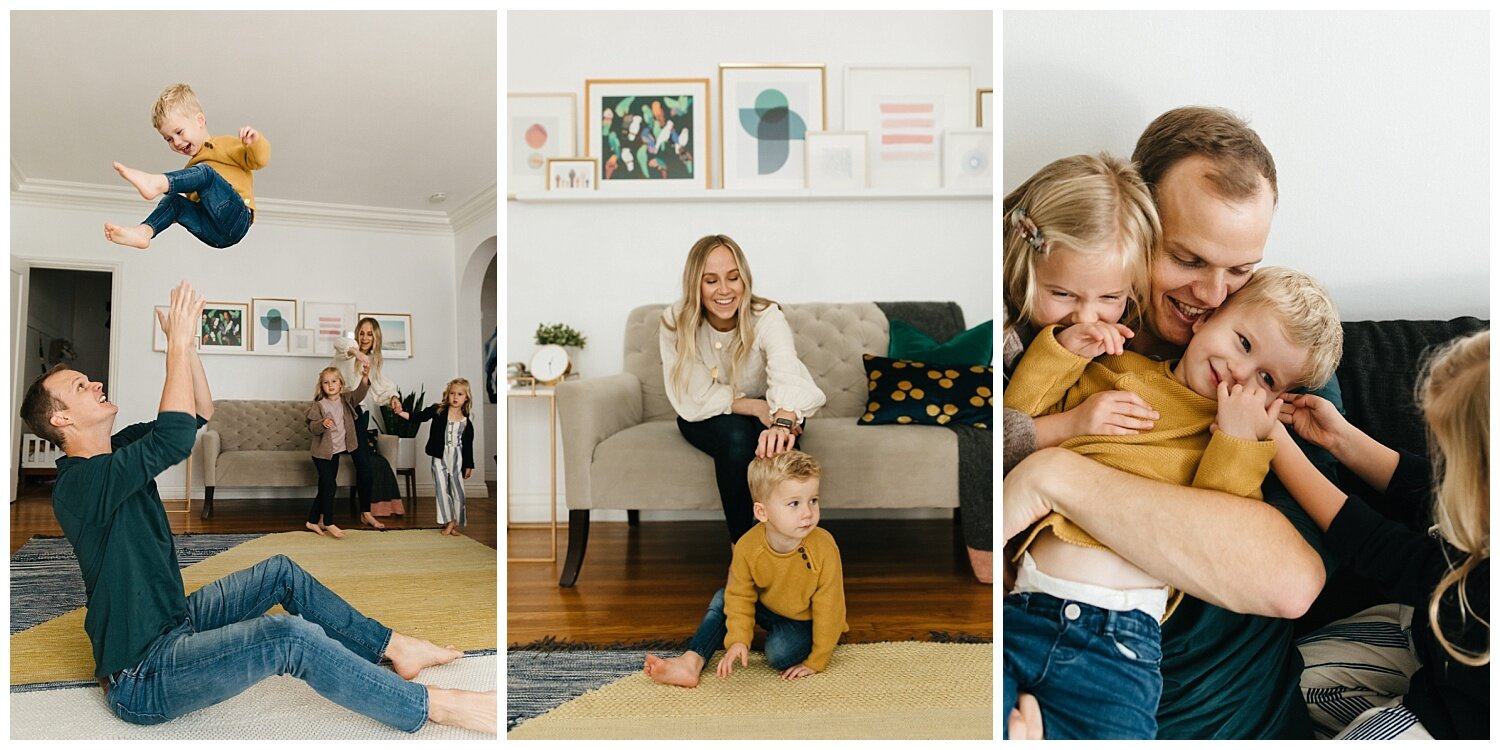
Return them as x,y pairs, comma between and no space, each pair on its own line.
1442,574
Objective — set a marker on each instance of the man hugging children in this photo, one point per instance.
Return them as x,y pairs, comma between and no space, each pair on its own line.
1219,405
213,197
786,576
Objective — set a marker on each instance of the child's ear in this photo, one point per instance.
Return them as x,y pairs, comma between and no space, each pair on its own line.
202,121
760,512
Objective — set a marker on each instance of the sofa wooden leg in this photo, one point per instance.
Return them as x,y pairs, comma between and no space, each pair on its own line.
208,503
578,542
633,518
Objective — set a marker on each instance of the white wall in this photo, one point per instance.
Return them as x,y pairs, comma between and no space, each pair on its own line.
384,271
1379,124
589,264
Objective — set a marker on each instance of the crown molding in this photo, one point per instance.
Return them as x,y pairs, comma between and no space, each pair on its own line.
272,211
483,203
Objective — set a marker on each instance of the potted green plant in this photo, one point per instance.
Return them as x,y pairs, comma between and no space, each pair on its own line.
405,430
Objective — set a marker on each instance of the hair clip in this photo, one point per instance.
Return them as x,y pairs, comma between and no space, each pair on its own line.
1022,223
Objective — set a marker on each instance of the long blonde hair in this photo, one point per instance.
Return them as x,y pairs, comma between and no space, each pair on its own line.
1086,204
468,394
318,389
1454,394
376,358
689,316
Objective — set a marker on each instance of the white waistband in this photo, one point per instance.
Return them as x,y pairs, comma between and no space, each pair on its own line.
1150,601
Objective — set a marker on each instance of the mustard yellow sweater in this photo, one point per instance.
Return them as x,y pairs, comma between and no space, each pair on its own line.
233,160
804,584
1178,450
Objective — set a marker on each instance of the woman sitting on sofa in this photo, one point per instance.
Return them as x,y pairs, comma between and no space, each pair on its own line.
732,373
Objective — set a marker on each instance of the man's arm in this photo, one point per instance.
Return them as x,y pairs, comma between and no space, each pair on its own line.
181,326
203,400
1234,552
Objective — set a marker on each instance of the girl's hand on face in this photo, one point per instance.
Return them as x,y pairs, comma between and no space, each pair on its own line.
1090,340
1315,419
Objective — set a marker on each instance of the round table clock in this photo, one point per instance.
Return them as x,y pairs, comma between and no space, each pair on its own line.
549,364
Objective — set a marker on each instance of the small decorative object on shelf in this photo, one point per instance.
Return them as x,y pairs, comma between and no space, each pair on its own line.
968,162
561,334
836,161
549,364
572,175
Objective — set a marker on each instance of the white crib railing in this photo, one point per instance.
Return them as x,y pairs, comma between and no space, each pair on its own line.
37,453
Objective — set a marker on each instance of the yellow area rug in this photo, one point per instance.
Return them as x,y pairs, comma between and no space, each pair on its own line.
906,690
416,582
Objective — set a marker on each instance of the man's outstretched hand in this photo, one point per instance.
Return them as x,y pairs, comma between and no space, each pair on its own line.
183,321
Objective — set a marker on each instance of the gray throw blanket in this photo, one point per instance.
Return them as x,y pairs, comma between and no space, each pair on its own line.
976,447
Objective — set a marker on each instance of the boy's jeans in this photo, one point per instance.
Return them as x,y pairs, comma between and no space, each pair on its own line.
1095,673
220,217
788,641
229,643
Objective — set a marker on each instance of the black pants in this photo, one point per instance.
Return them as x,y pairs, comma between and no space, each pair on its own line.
730,439
328,476
364,478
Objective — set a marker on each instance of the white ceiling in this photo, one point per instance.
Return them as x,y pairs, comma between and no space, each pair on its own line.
375,109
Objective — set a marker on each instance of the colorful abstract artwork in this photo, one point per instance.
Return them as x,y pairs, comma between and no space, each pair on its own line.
767,113
222,328
541,127
649,135
271,323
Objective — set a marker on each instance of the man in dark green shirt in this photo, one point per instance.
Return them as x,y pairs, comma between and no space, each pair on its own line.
159,654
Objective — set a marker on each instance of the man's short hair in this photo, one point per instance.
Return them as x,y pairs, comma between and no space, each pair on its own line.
38,406
766,474
1307,316
1239,157
175,99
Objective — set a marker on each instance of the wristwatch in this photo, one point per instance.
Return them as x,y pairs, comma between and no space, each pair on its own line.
784,422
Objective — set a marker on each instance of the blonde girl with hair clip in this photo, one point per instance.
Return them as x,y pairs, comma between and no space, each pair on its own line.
450,451
731,372
1417,668
331,421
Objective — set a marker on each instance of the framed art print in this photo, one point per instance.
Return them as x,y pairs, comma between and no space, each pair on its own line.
968,159
572,175
223,329
905,110
395,334
765,113
328,321
984,107
270,321
300,341
835,161
539,127
649,134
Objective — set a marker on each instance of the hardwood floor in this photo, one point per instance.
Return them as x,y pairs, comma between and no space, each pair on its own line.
903,579
32,514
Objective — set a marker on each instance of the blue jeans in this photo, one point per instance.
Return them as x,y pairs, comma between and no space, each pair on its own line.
1095,673
228,643
788,641
220,217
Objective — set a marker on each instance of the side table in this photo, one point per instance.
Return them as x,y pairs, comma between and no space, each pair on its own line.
550,394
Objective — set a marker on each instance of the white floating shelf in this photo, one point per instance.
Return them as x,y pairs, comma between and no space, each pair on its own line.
748,196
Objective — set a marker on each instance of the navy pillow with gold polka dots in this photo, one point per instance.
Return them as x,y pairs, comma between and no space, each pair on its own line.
906,392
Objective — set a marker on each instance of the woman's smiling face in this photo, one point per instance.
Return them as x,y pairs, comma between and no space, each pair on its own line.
721,288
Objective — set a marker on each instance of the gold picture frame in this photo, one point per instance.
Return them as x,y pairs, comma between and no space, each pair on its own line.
803,112
619,171
572,182
396,335
980,96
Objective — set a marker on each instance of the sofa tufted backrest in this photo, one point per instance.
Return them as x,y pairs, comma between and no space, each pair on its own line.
831,339
255,425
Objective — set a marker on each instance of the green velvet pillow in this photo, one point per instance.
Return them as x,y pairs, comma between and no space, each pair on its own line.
906,392
975,346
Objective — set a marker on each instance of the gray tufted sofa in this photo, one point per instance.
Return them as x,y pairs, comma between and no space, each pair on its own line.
251,443
623,451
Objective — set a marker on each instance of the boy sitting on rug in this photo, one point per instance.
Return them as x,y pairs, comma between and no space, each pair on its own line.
785,575
213,197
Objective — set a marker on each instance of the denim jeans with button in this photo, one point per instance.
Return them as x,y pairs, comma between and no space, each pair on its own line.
220,218
228,643
788,641
1096,673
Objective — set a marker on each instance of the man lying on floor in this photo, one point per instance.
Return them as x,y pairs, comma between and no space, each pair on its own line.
159,654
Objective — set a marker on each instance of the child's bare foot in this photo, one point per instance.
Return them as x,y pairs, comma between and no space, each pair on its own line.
409,656
138,237
462,708
369,520
334,531
681,670
148,185
451,529
314,528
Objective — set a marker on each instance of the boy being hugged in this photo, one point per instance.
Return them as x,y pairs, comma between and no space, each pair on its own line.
786,575
213,197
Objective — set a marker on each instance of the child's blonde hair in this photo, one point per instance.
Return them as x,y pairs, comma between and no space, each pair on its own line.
1086,204
468,395
318,390
766,474
175,99
1454,394
1307,316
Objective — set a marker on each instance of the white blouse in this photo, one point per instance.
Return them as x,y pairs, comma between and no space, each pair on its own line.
381,389
771,371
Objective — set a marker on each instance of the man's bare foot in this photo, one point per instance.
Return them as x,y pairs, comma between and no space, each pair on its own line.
138,237
462,708
148,185
369,520
409,656
334,531
314,528
681,670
